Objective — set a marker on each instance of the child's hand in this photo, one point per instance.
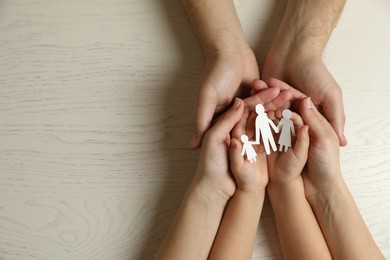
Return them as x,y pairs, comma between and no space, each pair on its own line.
249,176
323,165
286,166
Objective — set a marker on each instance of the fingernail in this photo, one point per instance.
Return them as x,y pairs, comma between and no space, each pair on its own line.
237,103
345,138
309,103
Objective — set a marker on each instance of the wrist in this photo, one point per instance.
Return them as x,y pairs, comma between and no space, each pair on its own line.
238,52
251,192
209,194
216,25
306,27
286,188
322,198
253,198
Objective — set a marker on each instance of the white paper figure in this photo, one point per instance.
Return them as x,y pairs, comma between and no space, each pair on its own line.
248,149
287,127
263,128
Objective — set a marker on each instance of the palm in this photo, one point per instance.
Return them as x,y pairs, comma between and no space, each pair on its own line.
310,76
215,159
226,77
321,170
252,174
280,165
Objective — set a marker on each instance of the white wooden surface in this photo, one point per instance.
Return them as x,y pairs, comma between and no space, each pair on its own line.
95,117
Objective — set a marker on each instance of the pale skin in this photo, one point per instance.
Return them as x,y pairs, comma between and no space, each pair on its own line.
295,56
196,223
237,233
230,64
343,227
197,220
296,223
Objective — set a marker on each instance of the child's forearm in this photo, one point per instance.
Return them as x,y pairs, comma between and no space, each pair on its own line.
237,233
299,233
195,225
344,229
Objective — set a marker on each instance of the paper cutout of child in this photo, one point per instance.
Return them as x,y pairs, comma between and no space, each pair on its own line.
248,149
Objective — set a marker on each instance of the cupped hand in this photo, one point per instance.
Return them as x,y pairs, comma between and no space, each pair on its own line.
309,75
225,76
213,167
249,176
286,166
322,170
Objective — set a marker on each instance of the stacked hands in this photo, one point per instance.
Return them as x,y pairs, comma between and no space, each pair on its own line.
284,174
315,213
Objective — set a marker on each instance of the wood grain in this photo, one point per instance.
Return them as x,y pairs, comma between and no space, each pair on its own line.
96,104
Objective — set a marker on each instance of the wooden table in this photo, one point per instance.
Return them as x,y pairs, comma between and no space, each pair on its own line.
96,103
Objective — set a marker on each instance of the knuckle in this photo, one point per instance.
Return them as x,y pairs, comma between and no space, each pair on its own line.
329,140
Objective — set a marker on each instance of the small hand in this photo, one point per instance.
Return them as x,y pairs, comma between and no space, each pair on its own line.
285,166
249,176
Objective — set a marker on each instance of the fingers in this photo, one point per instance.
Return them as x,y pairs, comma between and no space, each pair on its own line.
281,101
250,125
239,128
236,159
301,147
319,128
227,121
333,108
276,83
257,86
334,112
204,113
298,122
262,97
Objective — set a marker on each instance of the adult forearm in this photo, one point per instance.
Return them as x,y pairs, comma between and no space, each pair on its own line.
307,26
216,26
342,225
194,228
237,233
296,223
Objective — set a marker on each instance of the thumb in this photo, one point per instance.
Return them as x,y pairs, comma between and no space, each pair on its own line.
319,127
204,113
334,112
301,147
236,159
227,120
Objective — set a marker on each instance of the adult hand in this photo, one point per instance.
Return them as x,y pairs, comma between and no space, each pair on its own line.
213,167
225,76
322,171
310,76
295,56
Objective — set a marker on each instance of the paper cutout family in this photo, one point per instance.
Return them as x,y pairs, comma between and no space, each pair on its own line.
263,126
